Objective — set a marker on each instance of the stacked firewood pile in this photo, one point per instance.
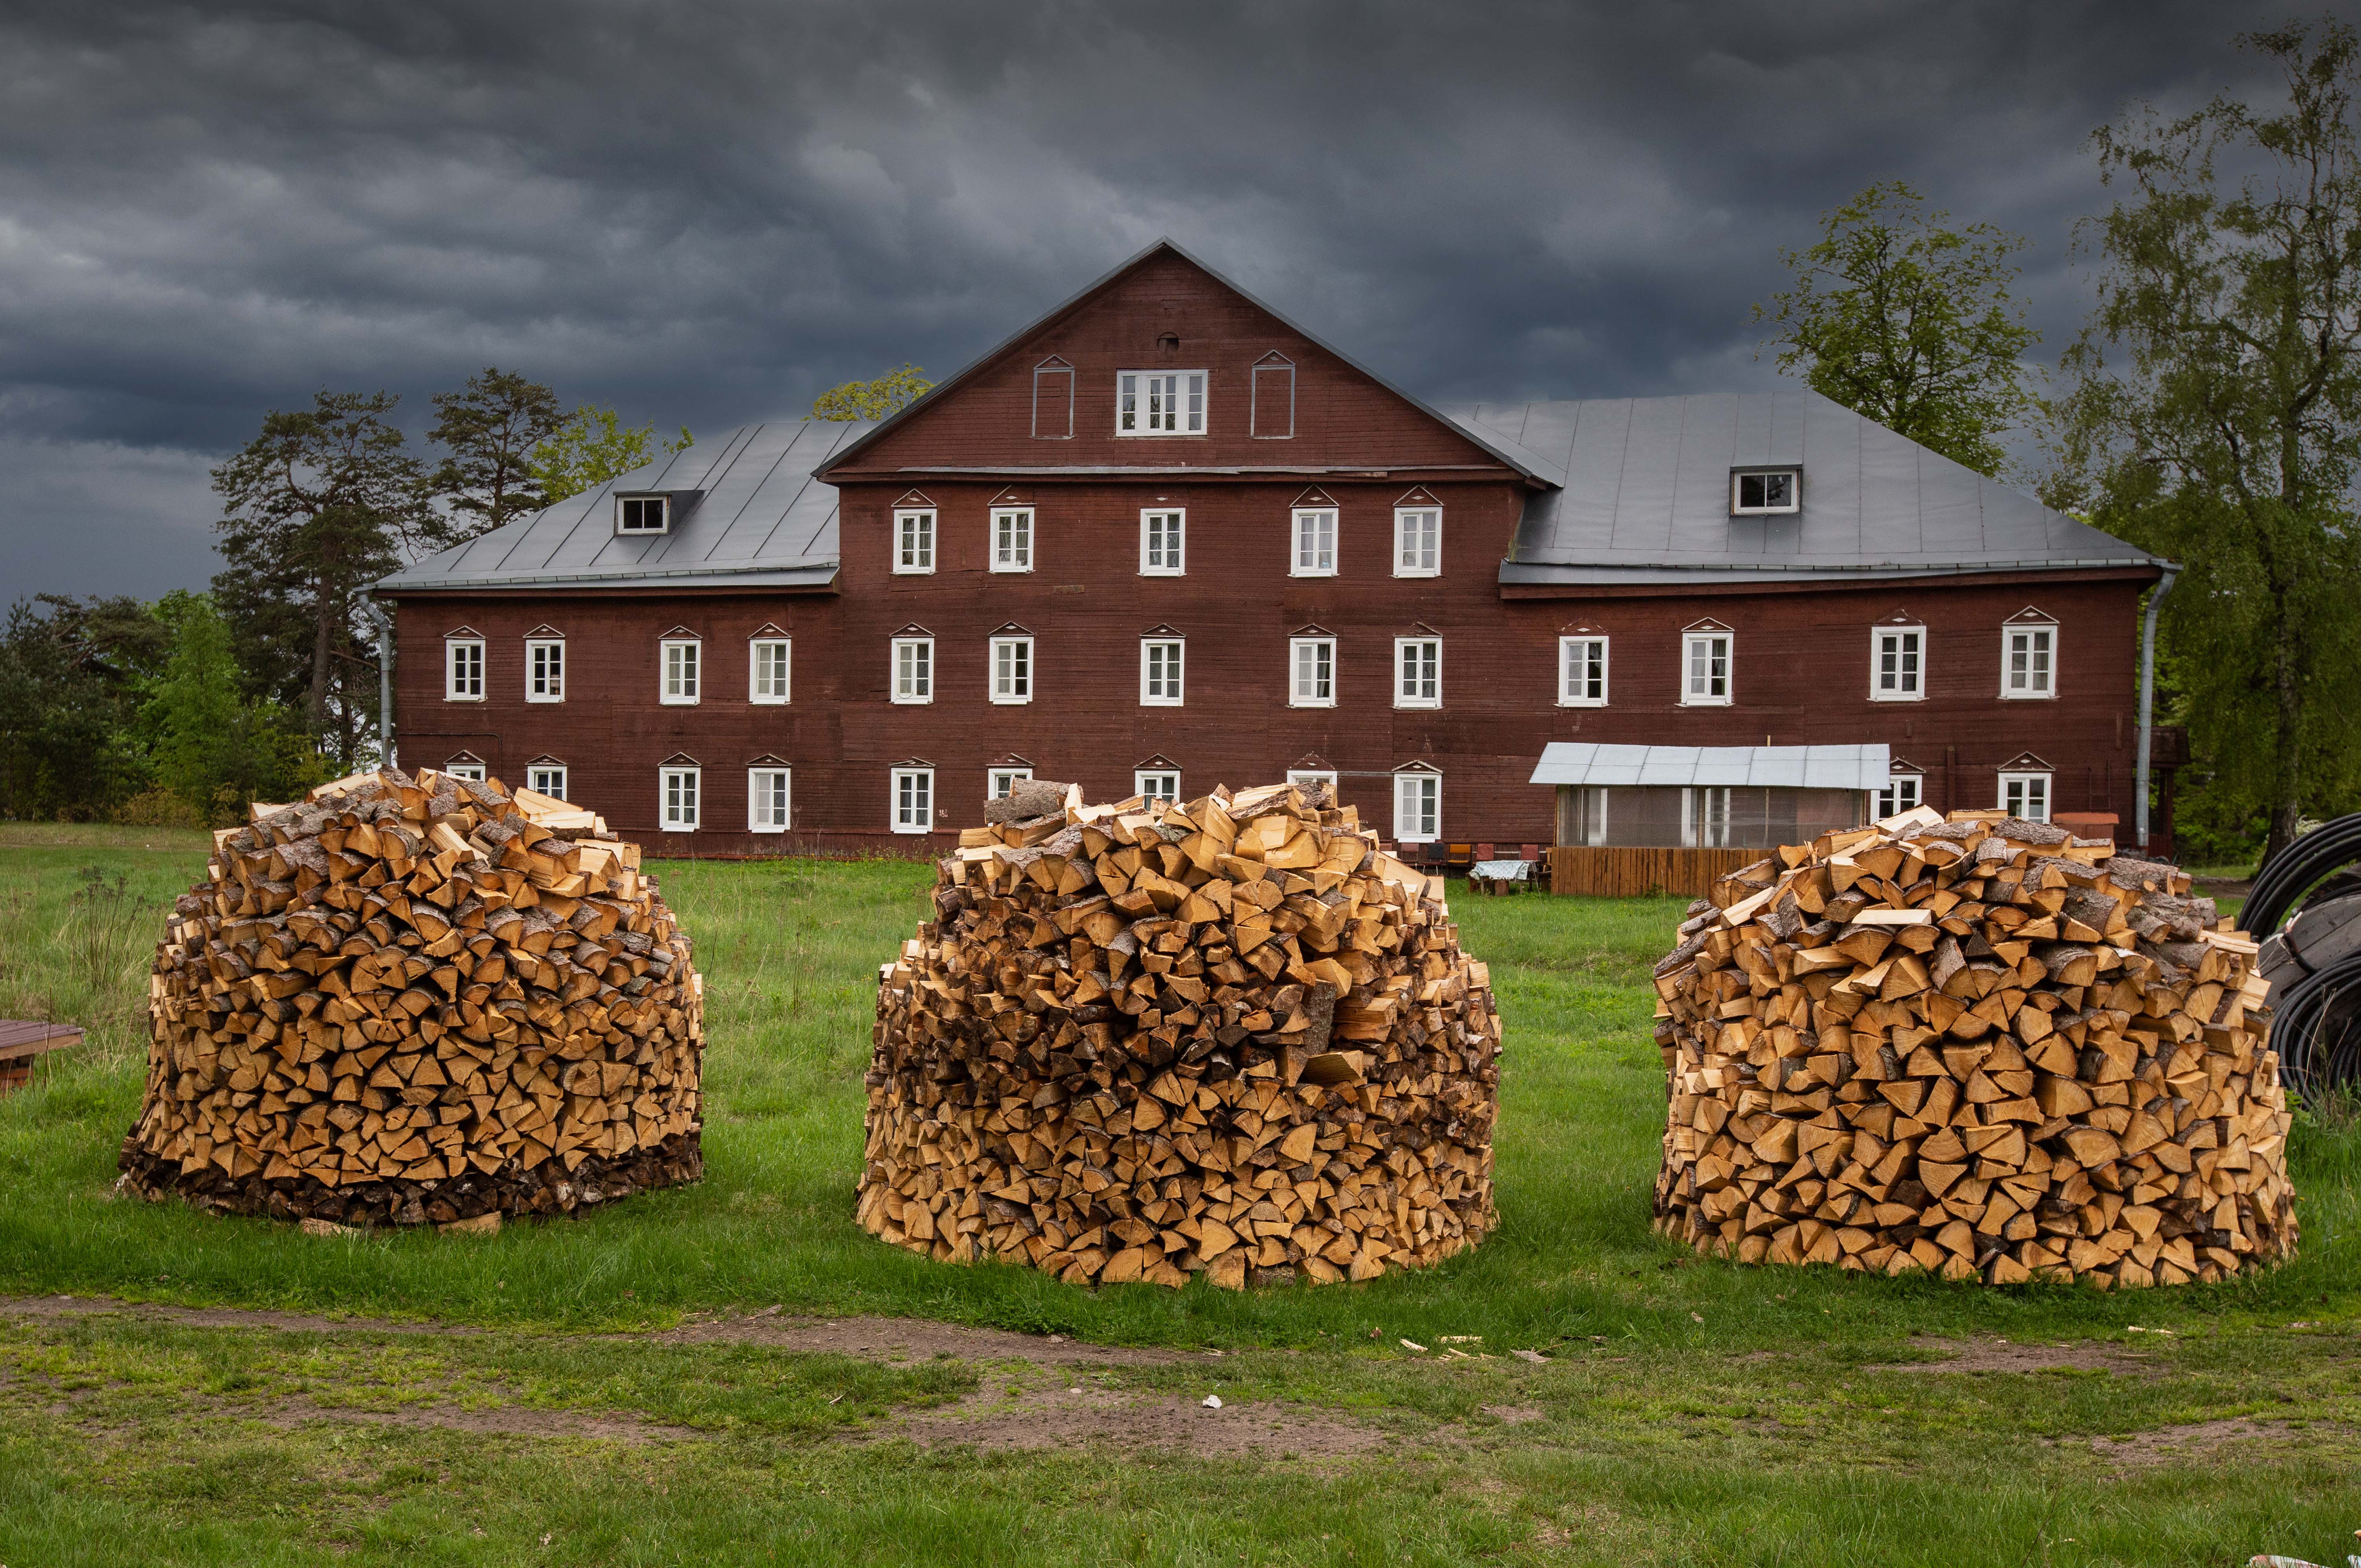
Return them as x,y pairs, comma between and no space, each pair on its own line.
1980,1048
411,1000
1142,1041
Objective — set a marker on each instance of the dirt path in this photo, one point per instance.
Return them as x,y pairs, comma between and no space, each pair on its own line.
867,1339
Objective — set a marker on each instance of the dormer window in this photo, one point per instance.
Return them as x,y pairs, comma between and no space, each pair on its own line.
1754,491
642,514
1159,402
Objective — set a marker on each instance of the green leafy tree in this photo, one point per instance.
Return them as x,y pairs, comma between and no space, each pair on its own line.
1909,322
491,428
322,503
71,676
593,446
888,394
2214,416
207,741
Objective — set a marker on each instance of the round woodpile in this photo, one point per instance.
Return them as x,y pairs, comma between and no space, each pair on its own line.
412,1000
1977,1046
1145,1040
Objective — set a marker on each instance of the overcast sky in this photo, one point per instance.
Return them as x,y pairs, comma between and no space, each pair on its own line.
703,213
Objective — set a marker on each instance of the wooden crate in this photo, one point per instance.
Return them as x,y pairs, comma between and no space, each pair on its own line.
1617,873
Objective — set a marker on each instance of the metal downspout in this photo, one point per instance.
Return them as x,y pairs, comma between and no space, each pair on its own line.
2148,696
383,623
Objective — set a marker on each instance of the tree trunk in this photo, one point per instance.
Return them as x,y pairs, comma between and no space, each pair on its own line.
315,706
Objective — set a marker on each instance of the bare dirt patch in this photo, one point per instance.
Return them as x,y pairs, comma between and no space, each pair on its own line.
2004,1355
55,1307
2166,1444
865,1339
994,1420
909,1339
1177,1422
1513,1415
508,1419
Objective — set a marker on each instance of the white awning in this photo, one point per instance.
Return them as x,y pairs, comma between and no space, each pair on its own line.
1752,767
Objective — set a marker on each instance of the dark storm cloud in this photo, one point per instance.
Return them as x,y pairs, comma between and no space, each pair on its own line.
704,213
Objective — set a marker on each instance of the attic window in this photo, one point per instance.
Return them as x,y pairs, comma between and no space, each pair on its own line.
1754,491
1159,402
642,514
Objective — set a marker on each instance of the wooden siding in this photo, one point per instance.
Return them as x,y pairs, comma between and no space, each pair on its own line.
1802,651
1341,415
1635,872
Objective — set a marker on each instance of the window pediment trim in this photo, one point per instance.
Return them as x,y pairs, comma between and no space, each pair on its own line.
2031,615
680,760
1707,624
1163,630
545,633
1314,496
463,631
766,631
768,759
1421,766
914,500
914,629
1159,760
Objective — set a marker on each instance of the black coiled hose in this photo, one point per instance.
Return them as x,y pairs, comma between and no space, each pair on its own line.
2288,875
2314,965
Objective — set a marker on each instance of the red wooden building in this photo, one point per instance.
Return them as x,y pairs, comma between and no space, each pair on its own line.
1164,538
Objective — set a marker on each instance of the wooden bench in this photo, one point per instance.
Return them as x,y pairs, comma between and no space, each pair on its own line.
22,1040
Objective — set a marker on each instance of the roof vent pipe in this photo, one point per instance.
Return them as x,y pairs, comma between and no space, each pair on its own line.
2148,695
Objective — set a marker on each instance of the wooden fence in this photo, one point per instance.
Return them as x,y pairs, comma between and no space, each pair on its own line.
1631,873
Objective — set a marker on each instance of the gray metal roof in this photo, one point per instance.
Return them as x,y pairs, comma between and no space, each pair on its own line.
1646,497
1751,767
747,513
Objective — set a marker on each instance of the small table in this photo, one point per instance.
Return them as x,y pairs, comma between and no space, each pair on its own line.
21,1040
1502,876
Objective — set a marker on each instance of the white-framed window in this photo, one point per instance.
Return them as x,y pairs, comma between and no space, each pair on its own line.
1705,818
1312,663
1705,669
679,792
770,665
683,670
768,792
2025,795
1012,539
1418,542
1156,783
1756,491
1315,542
914,669
1897,663
1159,672
464,768
545,669
1163,542
642,514
1159,402
1001,783
914,539
914,800
463,669
2028,661
1309,778
1582,671
1418,807
1012,669
1418,672
546,778
1902,791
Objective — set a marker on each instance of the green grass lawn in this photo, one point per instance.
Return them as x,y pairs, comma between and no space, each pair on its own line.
1692,1412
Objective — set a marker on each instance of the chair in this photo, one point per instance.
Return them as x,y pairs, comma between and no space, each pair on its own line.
1461,854
1528,851
1484,852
